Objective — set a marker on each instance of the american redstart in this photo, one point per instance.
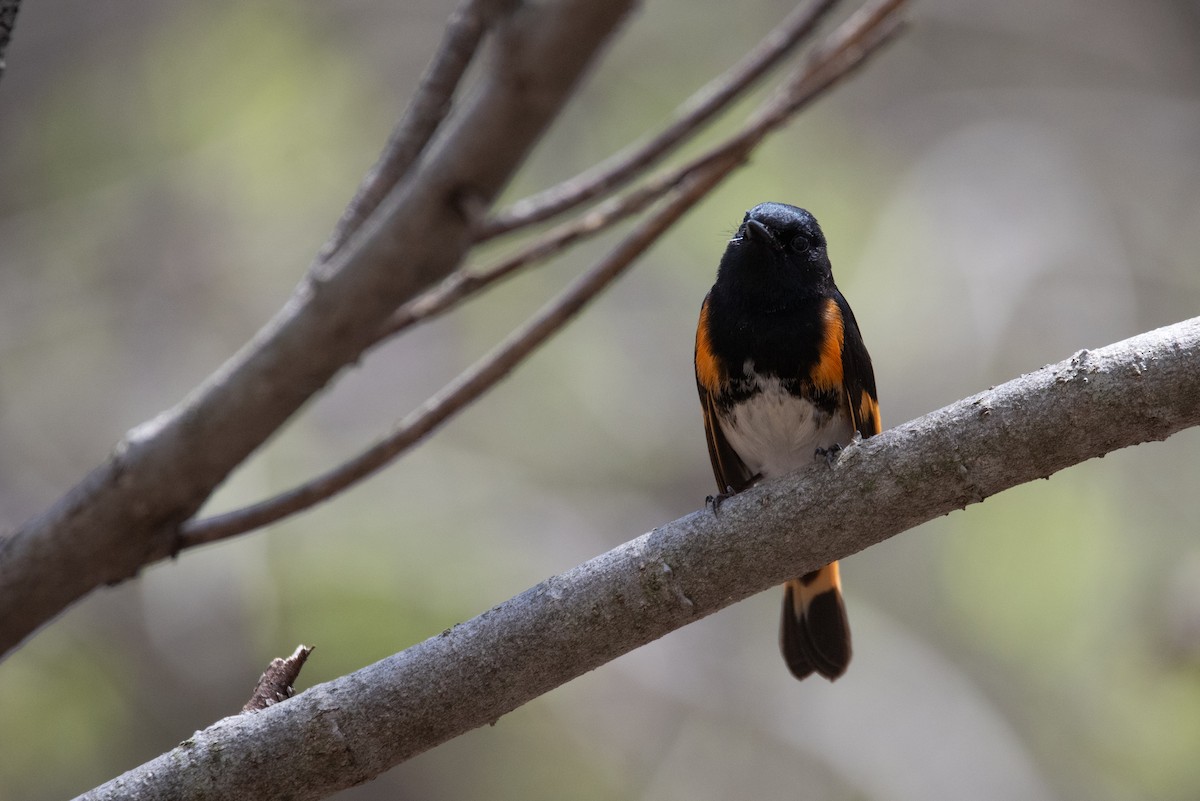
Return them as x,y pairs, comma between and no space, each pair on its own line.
784,378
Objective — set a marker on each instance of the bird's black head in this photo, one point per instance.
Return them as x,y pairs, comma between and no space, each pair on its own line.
777,250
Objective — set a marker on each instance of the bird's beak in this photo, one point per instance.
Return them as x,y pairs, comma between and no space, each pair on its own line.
762,234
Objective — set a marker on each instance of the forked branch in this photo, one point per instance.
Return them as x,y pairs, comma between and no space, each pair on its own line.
126,513
845,50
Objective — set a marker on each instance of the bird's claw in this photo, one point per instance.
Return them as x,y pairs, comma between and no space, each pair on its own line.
715,501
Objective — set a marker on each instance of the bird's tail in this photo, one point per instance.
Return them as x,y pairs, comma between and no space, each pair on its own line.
815,634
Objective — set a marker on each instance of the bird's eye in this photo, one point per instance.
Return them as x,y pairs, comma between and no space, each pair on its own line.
801,244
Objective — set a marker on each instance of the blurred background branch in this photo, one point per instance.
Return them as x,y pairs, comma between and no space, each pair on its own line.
8,23
846,50
429,107
127,511
349,730
709,101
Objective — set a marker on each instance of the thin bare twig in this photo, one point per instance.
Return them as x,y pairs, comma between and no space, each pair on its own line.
430,105
848,48
870,26
690,117
461,284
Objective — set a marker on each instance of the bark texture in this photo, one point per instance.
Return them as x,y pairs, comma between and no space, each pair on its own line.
349,730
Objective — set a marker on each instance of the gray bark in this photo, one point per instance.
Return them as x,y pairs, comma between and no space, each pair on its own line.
349,730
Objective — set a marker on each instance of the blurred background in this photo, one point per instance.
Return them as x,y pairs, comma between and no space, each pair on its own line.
1007,184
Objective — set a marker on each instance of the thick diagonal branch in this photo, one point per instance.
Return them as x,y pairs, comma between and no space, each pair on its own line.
126,512
346,731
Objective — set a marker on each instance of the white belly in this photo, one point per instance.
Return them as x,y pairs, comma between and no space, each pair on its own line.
774,432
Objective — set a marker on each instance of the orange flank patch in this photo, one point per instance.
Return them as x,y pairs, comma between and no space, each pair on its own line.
827,374
708,371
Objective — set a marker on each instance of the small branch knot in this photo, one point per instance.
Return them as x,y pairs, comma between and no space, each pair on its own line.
276,682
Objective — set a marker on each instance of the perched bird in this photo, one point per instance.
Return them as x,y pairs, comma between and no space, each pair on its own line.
784,377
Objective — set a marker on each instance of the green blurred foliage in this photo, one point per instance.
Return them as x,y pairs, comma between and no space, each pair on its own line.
1041,596
1002,187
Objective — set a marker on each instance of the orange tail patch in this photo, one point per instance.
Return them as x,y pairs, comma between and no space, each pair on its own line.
814,633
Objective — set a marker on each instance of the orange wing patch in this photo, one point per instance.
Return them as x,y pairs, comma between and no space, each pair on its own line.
828,372
868,422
